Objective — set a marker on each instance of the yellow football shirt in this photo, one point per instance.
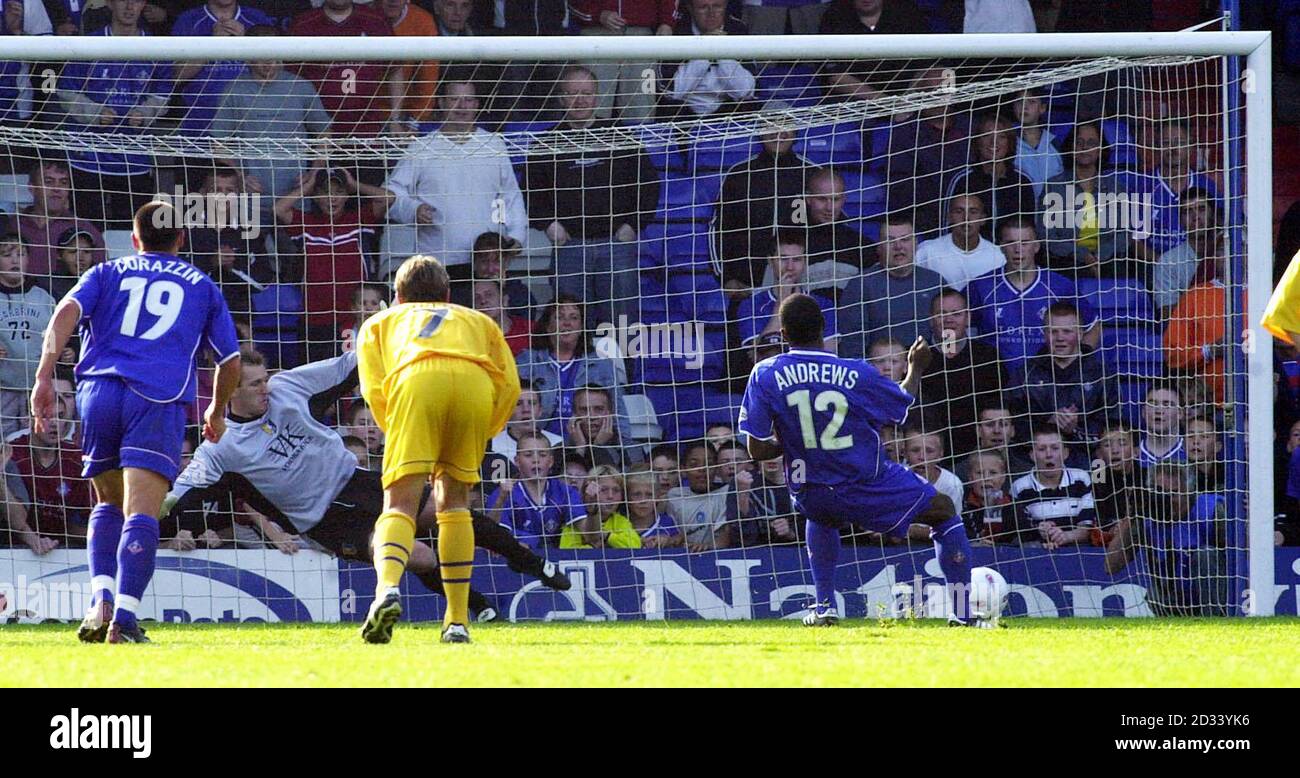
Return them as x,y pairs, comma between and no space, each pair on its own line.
1282,315
618,527
405,334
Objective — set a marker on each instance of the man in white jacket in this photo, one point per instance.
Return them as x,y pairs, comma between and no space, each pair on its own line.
456,183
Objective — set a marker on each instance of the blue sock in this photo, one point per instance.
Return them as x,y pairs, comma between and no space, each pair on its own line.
101,547
135,563
953,551
823,553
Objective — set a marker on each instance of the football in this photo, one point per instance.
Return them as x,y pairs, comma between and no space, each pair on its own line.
988,595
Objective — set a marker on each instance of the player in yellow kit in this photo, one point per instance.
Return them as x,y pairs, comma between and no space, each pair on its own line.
441,382
1282,316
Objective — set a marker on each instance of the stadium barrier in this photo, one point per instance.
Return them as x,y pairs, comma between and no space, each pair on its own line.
253,586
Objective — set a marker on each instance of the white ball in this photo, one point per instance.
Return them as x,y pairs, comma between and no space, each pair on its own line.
988,594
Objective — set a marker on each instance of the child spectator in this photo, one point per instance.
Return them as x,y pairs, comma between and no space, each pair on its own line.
51,472
656,528
1054,503
536,508
360,423
787,526
77,254
523,421
889,356
367,300
25,310
962,253
1204,445
575,471
700,507
1116,480
664,463
986,507
488,299
1162,415
1036,155
923,452
719,435
492,255
359,450
605,526
334,237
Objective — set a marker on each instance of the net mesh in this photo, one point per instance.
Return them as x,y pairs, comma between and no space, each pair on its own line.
1055,228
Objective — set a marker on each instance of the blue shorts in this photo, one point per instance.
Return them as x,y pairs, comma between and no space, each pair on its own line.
122,429
886,505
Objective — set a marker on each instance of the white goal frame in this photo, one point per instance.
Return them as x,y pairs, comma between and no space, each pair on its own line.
1256,84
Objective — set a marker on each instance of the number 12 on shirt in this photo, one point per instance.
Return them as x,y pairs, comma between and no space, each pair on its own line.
830,399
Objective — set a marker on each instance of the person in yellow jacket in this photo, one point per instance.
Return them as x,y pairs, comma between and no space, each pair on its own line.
605,523
1282,316
440,382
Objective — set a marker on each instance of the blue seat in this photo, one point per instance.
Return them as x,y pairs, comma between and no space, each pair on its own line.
1123,148
1119,301
795,84
686,411
712,155
659,141
693,197
697,295
831,144
1133,351
1132,396
865,194
277,317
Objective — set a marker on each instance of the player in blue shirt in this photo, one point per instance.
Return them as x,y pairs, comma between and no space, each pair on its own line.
143,319
824,413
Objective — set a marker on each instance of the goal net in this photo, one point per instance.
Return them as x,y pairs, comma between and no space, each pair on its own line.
1067,230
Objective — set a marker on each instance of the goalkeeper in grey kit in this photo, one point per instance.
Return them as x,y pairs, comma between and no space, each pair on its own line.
284,462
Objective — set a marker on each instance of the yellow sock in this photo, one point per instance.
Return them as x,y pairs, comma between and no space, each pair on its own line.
394,539
456,559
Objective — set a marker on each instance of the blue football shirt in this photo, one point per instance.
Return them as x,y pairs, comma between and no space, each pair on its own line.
539,524
1013,319
755,312
826,411
120,86
143,319
202,94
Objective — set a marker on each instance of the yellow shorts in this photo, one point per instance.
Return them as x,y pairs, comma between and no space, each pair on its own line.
439,410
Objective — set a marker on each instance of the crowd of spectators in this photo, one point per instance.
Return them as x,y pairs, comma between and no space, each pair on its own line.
1076,363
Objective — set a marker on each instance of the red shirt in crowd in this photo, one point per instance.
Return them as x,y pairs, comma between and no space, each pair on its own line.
61,496
354,93
333,262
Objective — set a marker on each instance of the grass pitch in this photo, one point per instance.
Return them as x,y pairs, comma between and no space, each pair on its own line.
1028,652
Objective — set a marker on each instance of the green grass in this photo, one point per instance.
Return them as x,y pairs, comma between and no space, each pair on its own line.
1029,652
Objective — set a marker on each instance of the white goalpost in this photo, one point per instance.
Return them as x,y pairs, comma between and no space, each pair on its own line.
672,255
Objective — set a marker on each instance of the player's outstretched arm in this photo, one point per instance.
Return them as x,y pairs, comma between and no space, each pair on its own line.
214,419
55,339
918,359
